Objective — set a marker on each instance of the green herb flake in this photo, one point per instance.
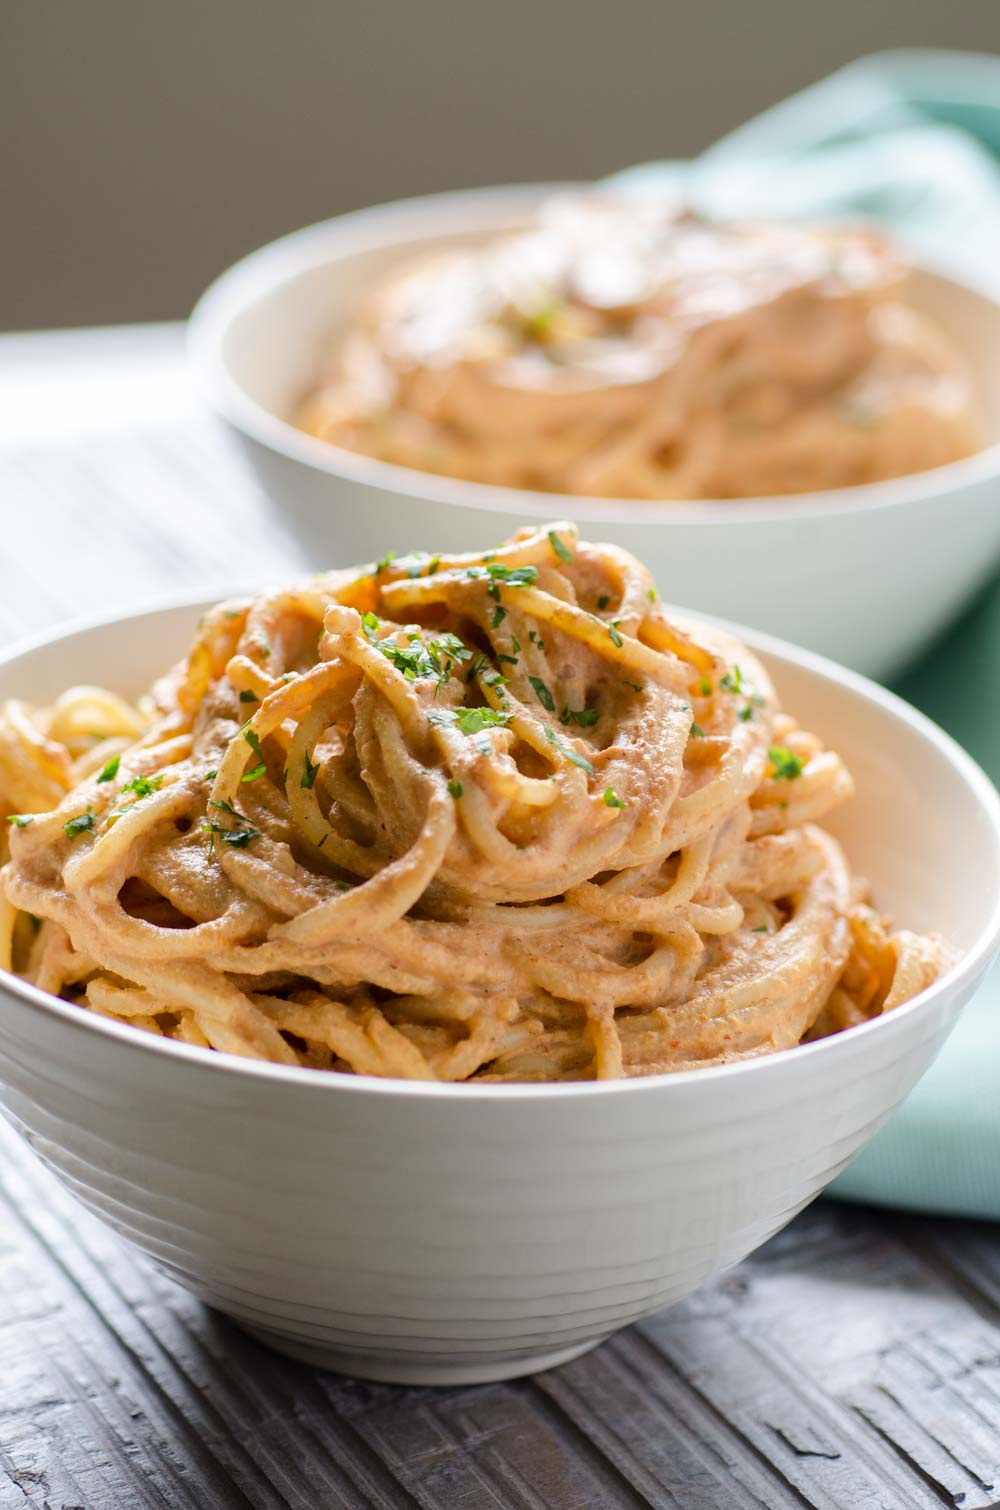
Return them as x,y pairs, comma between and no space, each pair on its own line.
542,693
560,549
616,638
584,718
787,765
456,789
705,687
508,660
697,732
469,720
83,823
143,786
733,680
746,714
236,838
499,615
110,770
253,740
210,775
265,643
763,928
20,820
611,799
652,594
497,576
570,754
384,564
636,686
248,695
309,772
255,773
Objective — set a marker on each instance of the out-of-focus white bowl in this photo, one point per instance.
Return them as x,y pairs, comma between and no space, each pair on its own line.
867,575
439,1234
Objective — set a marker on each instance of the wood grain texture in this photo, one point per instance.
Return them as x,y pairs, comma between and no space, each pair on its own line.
852,1364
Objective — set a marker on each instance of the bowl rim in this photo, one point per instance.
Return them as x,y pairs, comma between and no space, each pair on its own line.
273,267
973,962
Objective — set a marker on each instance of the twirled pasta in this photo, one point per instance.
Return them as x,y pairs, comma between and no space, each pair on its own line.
490,816
617,348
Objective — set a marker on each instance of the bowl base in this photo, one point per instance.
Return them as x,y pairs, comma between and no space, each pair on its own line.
396,1368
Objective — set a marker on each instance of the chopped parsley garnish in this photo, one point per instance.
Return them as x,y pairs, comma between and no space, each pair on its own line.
611,799
248,695
499,614
705,686
510,576
733,680
509,660
20,820
560,549
110,770
143,786
570,754
542,693
787,766
210,775
479,663
253,740
83,823
636,686
309,772
236,838
535,640
265,643
584,718
384,564
456,789
652,594
603,601
469,720
616,638
746,713
698,733
762,928
434,659
421,565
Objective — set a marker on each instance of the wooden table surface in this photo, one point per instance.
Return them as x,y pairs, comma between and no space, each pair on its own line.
853,1362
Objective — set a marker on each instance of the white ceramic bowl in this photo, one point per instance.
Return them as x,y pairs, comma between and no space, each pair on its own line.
867,575
441,1234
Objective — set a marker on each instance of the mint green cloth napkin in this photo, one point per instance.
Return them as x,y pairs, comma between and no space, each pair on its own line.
911,139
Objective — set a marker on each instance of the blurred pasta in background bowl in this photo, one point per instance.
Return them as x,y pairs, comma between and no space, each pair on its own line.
786,424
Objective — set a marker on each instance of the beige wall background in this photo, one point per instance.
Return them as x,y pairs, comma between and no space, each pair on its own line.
144,144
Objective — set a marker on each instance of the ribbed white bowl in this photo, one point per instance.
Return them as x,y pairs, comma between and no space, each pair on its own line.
867,575
440,1234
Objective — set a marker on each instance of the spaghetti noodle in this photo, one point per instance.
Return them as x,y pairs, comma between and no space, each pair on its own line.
618,349
494,816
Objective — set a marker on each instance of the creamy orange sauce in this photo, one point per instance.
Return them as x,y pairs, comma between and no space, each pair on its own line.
619,348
